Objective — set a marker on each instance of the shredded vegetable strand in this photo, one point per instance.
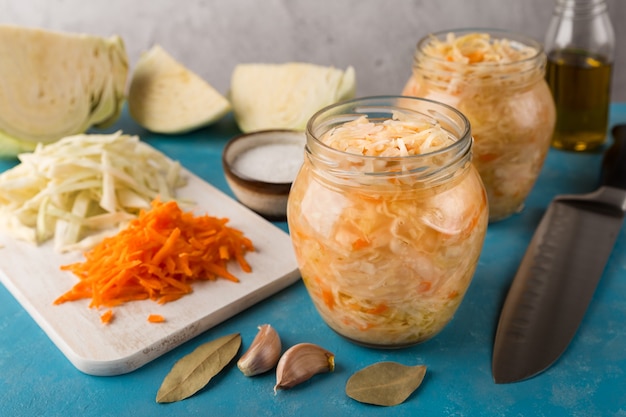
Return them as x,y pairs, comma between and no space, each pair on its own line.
157,257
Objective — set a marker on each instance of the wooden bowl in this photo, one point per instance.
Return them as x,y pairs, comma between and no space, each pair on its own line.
260,166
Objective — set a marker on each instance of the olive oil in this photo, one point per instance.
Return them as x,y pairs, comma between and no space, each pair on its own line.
580,84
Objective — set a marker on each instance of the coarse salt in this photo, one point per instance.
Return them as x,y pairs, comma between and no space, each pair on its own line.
275,163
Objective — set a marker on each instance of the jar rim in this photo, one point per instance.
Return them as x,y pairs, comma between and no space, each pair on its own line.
580,9
495,33
455,123
374,102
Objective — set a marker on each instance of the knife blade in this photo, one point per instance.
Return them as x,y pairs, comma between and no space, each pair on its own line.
559,273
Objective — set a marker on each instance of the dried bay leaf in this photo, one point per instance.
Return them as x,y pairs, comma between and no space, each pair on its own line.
385,383
192,372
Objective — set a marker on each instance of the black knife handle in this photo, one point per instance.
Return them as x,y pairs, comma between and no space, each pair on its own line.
614,163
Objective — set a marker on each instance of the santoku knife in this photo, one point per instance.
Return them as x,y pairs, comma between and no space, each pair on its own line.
559,273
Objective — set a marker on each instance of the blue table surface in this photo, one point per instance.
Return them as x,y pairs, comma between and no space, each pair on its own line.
588,380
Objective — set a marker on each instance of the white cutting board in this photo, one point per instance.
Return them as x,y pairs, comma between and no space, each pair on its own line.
32,274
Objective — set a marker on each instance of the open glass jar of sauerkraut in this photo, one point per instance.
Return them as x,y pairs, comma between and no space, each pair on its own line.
387,217
496,79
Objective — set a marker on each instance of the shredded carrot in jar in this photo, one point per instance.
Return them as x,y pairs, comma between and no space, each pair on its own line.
157,257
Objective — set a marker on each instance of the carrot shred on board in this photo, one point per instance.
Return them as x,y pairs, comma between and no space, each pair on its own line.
156,318
157,257
107,317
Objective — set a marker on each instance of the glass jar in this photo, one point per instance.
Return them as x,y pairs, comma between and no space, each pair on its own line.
387,240
580,44
496,79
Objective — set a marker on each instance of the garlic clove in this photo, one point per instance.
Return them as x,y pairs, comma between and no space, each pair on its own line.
263,353
301,362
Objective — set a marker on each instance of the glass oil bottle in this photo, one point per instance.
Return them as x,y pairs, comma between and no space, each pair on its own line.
580,44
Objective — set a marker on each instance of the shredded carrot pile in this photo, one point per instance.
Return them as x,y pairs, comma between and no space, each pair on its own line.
158,256
156,318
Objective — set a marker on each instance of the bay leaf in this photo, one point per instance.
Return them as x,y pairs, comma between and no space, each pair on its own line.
385,383
192,372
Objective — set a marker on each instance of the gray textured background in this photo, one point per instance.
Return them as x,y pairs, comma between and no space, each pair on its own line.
377,37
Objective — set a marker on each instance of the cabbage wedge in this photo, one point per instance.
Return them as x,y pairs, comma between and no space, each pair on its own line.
55,84
166,97
285,96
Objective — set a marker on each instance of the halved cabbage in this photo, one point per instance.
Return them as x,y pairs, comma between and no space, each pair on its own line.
55,84
166,97
285,96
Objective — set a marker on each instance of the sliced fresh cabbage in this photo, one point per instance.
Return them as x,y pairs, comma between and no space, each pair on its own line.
55,84
166,97
83,188
285,96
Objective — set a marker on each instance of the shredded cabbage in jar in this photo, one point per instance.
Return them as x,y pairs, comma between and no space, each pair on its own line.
478,47
398,136
387,264
498,85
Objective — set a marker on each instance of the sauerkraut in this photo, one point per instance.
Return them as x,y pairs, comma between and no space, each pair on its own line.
498,84
386,261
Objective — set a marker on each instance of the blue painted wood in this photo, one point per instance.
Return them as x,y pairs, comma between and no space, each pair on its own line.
589,379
